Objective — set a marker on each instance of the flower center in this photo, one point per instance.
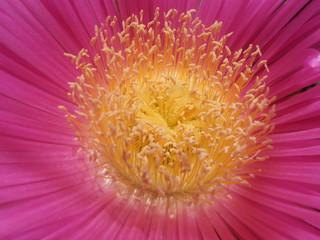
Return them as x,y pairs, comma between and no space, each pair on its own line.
167,110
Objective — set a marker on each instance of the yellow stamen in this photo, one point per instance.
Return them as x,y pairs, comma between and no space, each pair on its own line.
167,110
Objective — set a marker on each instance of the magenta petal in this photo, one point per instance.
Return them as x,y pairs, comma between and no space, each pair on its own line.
276,223
296,192
205,226
301,135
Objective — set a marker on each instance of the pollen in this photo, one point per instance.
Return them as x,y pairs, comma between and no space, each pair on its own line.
167,110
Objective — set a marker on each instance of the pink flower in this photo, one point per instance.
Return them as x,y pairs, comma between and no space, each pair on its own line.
50,190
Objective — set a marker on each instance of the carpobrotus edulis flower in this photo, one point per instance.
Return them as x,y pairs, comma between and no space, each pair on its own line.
181,120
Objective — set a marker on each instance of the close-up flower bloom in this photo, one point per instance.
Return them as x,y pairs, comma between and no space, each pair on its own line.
187,119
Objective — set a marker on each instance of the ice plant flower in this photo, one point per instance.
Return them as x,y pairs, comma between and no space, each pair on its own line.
175,120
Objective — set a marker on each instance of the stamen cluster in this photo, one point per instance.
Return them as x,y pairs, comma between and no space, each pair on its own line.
167,110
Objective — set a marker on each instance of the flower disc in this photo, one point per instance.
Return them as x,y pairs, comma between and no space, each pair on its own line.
167,110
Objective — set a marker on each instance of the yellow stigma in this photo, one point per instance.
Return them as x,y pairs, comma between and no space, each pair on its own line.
167,110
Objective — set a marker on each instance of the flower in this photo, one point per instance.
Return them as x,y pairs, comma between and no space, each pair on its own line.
50,189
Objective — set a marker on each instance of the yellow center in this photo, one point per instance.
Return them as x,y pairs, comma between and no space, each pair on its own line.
167,110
